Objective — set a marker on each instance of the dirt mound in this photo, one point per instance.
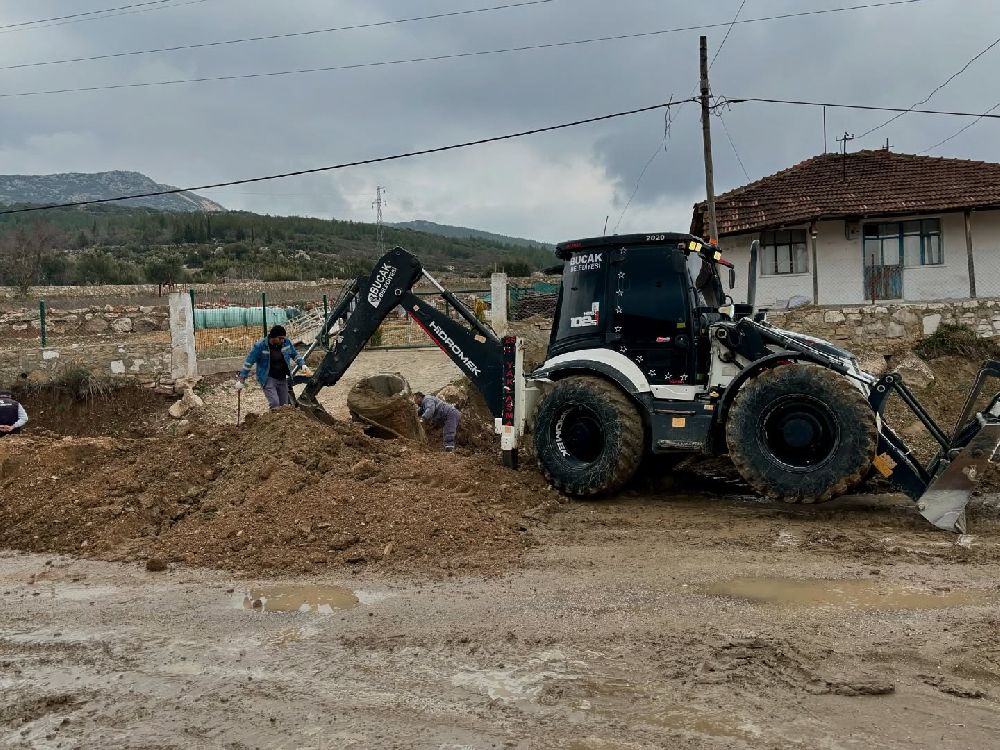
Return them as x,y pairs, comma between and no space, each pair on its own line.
534,333
281,493
476,431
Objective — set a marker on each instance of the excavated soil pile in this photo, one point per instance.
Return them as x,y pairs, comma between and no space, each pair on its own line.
281,493
534,333
475,431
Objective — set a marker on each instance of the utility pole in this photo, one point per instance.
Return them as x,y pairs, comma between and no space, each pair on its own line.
706,128
379,225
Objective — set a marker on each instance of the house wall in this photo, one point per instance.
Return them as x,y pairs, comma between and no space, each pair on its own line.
986,252
841,272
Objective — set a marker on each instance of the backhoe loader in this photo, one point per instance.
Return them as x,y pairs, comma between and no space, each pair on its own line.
647,355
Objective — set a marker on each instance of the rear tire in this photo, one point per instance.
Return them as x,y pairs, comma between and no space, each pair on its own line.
589,436
802,433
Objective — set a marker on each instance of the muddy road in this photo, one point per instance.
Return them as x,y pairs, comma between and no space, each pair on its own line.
647,622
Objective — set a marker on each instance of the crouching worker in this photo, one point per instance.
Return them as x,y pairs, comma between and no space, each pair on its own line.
273,357
439,413
12,415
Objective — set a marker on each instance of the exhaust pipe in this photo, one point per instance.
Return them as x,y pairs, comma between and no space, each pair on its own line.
752,275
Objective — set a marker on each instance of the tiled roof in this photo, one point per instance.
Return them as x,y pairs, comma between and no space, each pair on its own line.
865,183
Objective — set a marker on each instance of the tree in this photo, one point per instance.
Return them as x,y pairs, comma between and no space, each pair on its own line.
23,254
164,271
515,267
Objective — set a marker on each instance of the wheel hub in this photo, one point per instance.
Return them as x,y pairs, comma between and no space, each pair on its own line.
800,431
579,434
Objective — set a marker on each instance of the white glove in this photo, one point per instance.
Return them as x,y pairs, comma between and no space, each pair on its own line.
306,372
239,385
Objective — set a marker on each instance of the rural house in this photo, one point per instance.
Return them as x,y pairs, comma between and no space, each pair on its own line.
873,225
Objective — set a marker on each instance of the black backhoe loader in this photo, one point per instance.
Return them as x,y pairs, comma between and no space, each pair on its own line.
648,356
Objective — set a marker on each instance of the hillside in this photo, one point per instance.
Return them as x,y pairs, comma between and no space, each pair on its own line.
445,230
79,186
114,244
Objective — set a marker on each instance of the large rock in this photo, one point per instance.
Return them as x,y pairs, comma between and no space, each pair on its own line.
190,400
179,409
96,325
914,371
386,401
873,364
121,325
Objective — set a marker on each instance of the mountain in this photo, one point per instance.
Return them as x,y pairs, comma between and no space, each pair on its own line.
445,230
78,186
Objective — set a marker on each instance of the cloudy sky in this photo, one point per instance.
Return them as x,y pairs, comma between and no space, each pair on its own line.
549,187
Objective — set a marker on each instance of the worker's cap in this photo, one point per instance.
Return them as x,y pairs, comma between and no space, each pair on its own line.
276,331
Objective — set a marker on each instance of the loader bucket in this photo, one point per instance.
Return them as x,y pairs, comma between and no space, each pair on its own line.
943,504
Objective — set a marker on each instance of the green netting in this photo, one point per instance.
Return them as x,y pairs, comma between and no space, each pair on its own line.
236,317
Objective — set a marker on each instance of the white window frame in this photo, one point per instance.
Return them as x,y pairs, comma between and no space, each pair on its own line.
766,250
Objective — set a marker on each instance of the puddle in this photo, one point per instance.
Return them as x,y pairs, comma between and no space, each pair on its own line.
846,594
694,721
322,599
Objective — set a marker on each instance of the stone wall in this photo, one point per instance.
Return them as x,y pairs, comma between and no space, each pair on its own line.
888,325
145,363
88,321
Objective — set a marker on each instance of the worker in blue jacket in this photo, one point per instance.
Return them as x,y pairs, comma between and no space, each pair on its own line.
273,357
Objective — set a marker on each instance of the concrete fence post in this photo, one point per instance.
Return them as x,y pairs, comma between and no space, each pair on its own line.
498,303
183,358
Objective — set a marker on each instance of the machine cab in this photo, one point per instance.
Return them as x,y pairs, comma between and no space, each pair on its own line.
633,294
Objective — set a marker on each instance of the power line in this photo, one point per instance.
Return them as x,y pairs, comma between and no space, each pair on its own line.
961,130
166,5
728,32
453,56
345,165
726,101
269,37
88,13
665,145
941,86
733,144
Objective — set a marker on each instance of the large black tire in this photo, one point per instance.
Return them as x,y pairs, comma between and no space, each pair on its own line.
802,433
588,435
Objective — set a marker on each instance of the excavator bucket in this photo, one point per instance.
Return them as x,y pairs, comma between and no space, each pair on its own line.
943,504
313,408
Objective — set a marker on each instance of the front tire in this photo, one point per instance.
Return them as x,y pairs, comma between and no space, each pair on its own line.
802,433
589,436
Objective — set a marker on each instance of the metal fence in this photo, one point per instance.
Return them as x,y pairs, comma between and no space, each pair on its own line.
229,324
399,331
48,323
530,299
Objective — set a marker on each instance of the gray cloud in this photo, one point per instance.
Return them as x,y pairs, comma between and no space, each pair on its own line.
552,186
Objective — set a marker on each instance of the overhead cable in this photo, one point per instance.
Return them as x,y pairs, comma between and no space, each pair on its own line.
268,37
345,165
930,95
87,13
726,101
961,130
451,56
85,17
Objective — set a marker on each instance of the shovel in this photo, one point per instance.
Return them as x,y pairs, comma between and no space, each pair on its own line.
239,405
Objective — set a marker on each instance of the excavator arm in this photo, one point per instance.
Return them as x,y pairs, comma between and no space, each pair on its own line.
365,305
